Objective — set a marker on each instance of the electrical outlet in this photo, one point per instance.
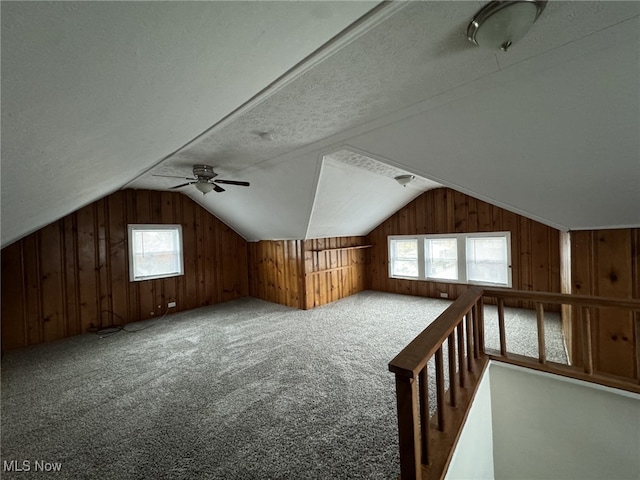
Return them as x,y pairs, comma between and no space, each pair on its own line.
171,305
444,295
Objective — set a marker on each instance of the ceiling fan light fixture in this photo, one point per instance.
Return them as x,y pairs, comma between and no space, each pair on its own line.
204,187
404,180
500,24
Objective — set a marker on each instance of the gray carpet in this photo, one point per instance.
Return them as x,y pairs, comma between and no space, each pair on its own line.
241,390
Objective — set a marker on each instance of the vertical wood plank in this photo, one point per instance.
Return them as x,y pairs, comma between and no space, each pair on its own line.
118,258
133,291
201,257
167,217
14,324
87,266
190,245
103,262
53,322
461,211
70,278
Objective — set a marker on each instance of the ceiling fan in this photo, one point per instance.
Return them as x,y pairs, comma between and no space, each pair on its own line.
204,180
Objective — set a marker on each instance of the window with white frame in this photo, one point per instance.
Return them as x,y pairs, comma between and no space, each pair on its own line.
155,251
475,258
403,253
441,258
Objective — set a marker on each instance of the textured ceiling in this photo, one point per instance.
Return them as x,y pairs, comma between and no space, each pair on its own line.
94,93
355,192
549,129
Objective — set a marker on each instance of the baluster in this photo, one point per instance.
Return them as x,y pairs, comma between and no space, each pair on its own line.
461,363
503,339
440,388
542,352
408,427
453,384
476,334
469,342
423,378
480,315
586,340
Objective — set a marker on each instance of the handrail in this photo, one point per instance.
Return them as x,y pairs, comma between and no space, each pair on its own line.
563,298
416,437
413,358
588,371
426,444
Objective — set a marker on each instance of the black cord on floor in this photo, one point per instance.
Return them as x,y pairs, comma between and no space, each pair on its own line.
112,329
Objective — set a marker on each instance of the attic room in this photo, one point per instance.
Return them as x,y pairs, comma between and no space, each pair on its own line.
243,211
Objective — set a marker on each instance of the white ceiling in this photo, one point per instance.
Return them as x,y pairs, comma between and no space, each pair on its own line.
116,92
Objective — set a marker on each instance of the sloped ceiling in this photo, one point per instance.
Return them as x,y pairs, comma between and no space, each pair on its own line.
95,93
99,96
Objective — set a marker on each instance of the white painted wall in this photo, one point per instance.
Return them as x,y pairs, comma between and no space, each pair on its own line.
529,425
473,457
547,427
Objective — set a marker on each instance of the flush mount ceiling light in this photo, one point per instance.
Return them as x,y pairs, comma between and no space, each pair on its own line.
500,24
404,179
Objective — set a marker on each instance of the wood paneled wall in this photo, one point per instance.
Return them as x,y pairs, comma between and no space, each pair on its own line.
607,263
535,252
334,268
307,273
73,275
276,271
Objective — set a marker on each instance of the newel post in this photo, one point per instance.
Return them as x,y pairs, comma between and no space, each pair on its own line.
408,428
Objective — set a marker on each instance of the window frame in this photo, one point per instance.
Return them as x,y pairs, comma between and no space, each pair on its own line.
135,227
420,258
461,244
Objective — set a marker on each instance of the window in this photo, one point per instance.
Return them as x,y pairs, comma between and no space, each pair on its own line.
487,260
476,258
441,255
404,258
155,251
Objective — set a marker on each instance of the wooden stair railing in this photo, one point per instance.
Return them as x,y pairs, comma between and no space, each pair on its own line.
426,448
585,304
427,442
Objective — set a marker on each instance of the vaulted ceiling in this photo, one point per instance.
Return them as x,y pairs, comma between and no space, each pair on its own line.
98,96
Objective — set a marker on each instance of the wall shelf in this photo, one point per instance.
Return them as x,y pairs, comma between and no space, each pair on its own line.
357,247
327,270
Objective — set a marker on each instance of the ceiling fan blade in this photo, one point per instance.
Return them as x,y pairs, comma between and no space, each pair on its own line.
233,182
218,188
172,176
182,185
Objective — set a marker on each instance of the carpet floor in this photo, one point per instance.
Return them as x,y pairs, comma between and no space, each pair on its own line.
241,390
